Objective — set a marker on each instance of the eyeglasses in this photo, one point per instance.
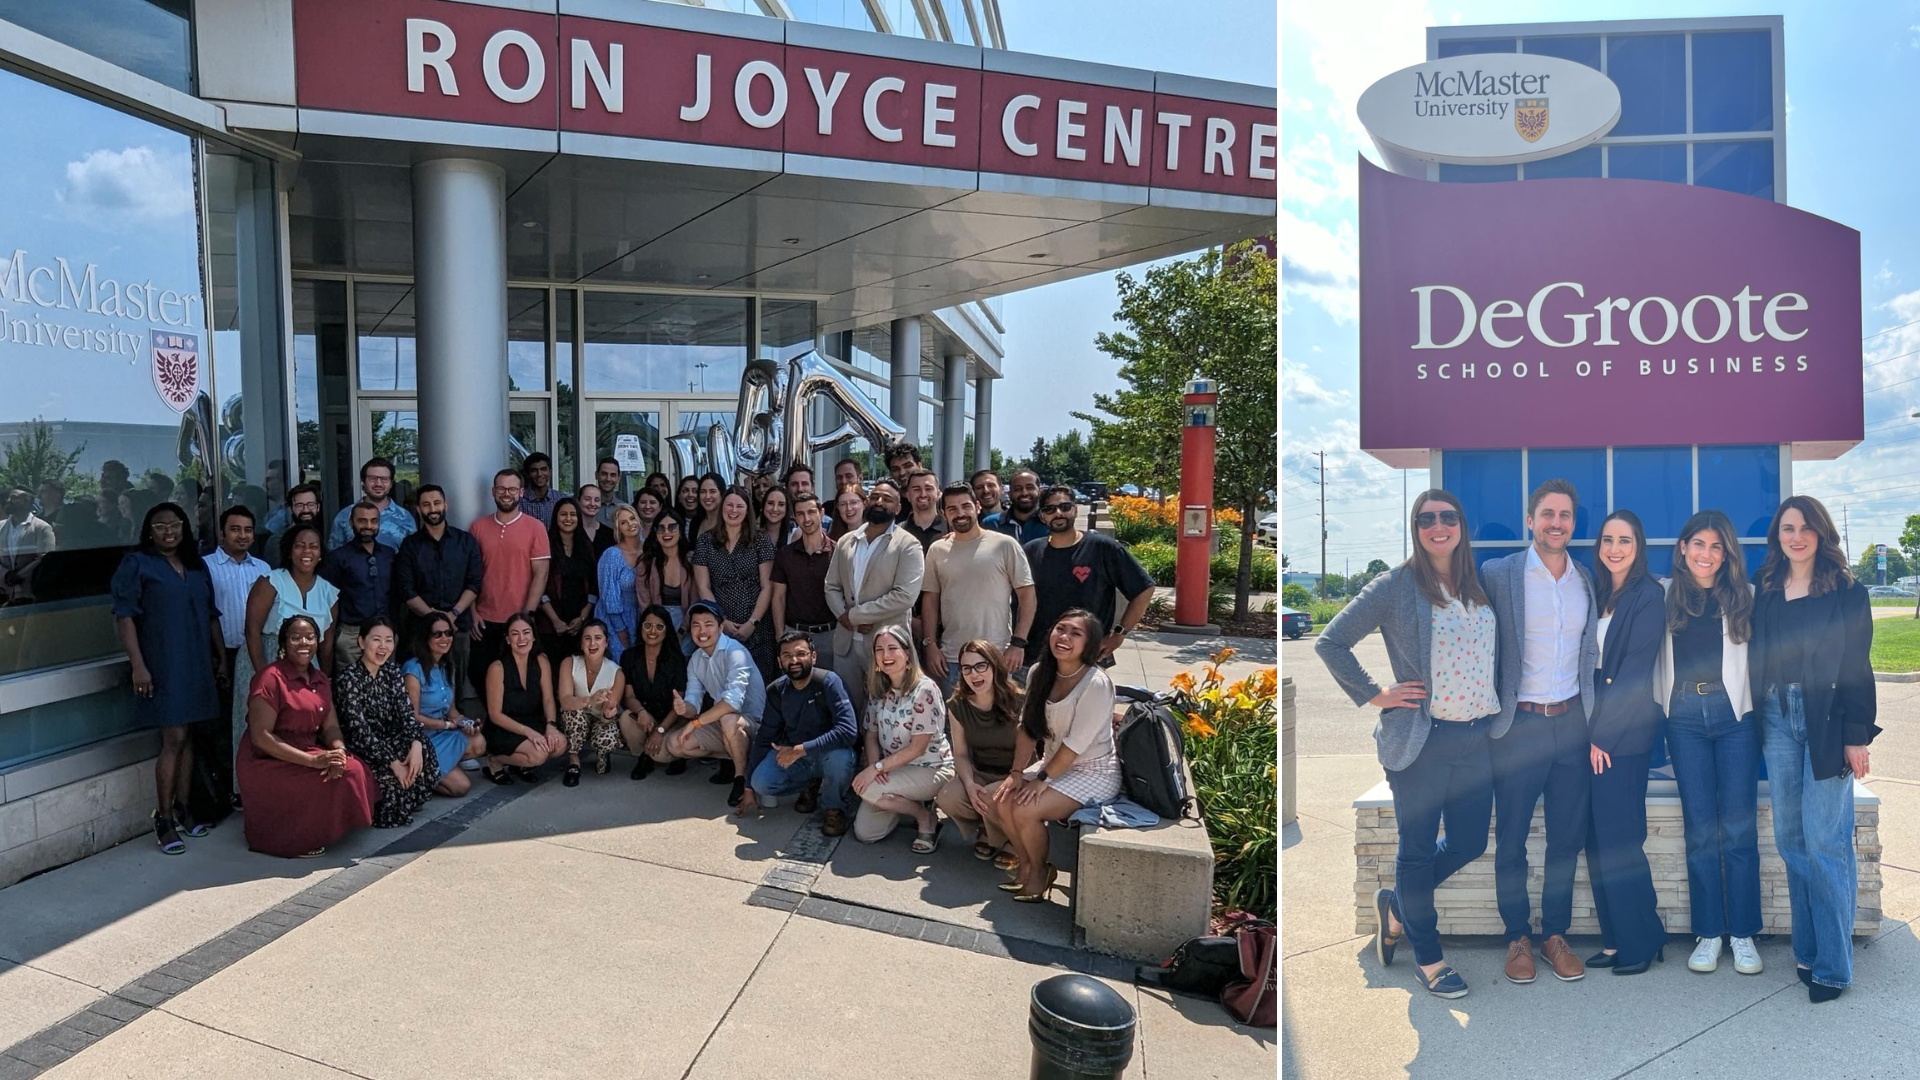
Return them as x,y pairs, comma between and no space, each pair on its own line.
980,668
1057,508
441,634
1425,520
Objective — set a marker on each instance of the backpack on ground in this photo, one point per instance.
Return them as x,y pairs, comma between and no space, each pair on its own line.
1252,999
1200,967
1153,759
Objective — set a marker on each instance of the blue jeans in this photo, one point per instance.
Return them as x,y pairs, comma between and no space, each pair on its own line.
1716,763
834,768
1451,780
1813,828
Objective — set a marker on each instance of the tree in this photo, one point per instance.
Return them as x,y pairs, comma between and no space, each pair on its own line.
996,460
1909,543
34,457
1218,319
1867,570
1377,566
1333,586
1296,596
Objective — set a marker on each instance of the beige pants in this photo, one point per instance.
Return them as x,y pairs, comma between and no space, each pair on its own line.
952,802
915,783
708,740
852,669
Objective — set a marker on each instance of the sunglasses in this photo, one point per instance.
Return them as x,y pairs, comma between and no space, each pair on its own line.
1425,520
441,634
1057,508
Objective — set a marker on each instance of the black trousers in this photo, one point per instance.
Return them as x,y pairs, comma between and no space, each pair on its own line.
1540,756
1617,866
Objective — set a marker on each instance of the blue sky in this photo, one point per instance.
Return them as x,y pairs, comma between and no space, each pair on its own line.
1849,84
1052,366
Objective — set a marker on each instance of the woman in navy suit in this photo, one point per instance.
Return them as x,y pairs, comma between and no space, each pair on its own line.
1621,729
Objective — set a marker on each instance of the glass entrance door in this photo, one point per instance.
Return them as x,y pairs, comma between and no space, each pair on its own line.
629,432
390,428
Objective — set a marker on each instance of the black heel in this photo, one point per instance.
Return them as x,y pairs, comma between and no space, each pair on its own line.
1659,957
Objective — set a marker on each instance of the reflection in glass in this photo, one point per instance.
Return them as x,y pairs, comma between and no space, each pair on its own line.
643,427
523,436
384,321
1655,482
1658,161
526,339
247,350
319,344
565,444
1733,81
786,328
1651,71
1580,50
1744,168
678,344
396,437
153,38
1487,483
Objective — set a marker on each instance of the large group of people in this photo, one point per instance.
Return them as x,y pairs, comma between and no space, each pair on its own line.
891,652
1530,680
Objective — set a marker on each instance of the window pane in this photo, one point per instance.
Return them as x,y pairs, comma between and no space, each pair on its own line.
644,429
1478,174
147,37
665,343
1651,72
565,443
848,13
1660,560
108,400
1586,470
1487,483
955,11
1742,481
526,339
1580,50
1582,162
384,321
1666,162
1656,483
396,437
1733,81
1476,45
786,328
319,345
1744,168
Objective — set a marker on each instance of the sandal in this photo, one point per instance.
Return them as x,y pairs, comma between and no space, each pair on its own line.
982,850
1006,860
571,778
503,777
166,835
183,818
314,854
927,843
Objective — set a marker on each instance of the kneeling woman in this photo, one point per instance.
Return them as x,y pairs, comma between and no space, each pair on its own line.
908,760
304,791
983,719
590,688
521,733
382,728
1812,679
429,677
1069,711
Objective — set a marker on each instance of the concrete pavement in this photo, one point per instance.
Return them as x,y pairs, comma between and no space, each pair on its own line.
1343,1016
618,928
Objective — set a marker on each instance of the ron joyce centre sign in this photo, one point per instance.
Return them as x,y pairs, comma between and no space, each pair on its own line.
1601,313
1492,109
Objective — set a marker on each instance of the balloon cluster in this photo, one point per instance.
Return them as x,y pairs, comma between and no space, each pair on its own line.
770,427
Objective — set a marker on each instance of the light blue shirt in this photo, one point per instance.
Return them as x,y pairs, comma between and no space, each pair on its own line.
726,673
232,581
395,525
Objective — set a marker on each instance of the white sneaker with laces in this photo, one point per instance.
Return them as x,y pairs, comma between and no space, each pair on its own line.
1706,954
1746,958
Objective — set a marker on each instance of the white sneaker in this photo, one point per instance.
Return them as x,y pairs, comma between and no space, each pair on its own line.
1706,954
471,765
1746,958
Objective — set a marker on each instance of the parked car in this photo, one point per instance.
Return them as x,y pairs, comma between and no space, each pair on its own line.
1092,492
1129,489
1267,531
1891,591
1294,623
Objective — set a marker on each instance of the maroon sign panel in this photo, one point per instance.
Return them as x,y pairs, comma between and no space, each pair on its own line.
438,60
1545,313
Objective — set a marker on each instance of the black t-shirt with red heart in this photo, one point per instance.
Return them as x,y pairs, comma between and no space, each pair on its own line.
1086,575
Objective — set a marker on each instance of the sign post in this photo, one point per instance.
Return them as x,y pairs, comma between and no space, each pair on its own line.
1881,552
1191,569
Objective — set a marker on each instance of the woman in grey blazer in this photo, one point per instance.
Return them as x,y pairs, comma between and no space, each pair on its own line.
1435,721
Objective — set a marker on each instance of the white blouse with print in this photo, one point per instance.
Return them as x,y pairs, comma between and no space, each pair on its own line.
1461,663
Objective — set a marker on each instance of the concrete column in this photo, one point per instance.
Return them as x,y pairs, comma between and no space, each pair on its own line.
460,281
953,422
982,424
905,369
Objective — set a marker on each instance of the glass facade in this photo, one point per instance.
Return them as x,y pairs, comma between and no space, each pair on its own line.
153,38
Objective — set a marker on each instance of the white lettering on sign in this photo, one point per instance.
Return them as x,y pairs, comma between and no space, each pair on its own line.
702,90
1174,122
1068,129
420,58
1219,143
826,96
1016,105
1262,149
1729,314
57,287
609,81
1123,134
536,66
743,93
937,114
870,108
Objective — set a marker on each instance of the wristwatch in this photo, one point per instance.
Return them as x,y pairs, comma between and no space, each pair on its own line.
1017,643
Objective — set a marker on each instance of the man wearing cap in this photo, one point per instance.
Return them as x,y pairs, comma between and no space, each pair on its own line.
723,703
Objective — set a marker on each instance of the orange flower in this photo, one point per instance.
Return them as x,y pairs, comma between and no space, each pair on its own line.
1266,681
1226,653
1199,726
1212,676
1183,682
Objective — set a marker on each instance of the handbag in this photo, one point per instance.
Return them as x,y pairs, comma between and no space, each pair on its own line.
1200,967
1253,998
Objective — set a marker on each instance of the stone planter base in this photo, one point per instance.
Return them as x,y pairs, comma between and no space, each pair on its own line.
1467,902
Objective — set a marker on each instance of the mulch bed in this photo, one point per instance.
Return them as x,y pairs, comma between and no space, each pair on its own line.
1257,624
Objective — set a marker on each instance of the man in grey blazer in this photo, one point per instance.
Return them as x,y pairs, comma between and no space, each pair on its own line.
1548,623
872,580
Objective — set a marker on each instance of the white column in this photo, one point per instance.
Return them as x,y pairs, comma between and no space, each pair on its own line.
953,422
460,282
904,368
982,424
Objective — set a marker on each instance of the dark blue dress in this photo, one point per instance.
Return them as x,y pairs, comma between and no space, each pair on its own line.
172,615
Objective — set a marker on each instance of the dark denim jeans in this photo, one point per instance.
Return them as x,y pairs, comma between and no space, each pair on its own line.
833,767
1540,755
1813,828
1451,781
1716,763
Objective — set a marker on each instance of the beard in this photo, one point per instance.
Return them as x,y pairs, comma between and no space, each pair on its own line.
877,515
961,525
1061,523
1026,505
799,672
366,537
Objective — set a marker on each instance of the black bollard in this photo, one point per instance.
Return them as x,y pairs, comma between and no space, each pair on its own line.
1080,1029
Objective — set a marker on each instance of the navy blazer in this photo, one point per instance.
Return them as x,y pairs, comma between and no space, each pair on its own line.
1625,714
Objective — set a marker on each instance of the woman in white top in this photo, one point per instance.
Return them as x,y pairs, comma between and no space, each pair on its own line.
908,757
1069,711
590,689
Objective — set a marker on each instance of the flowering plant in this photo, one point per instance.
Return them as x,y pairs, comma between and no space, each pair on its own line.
1232,745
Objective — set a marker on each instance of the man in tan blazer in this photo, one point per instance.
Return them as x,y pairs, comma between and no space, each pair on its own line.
873,580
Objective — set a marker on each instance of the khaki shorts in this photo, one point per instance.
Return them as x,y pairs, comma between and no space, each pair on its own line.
707,738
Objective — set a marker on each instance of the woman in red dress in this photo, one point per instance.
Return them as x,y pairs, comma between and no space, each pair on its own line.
304,791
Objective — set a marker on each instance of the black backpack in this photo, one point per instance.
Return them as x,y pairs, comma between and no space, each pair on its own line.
1153,759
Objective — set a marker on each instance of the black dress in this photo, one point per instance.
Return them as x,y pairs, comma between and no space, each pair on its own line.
524,703
378,722
735,578
655,689
572,582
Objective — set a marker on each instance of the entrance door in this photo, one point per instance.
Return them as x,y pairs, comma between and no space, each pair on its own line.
629,432
527,430
390,428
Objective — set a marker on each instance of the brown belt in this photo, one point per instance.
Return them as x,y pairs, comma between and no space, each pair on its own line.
1552,708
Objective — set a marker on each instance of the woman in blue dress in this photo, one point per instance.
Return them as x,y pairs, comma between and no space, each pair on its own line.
615,601
163,607
429,676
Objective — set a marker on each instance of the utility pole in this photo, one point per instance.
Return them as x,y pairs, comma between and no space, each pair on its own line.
1323,524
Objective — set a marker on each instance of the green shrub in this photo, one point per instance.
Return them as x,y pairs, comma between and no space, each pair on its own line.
1157,558
1225,568
1323,611
1297,597
1232,744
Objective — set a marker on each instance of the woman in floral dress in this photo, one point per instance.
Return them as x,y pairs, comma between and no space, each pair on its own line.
381,728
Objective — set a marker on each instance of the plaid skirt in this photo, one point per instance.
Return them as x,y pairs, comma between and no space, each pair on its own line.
1090,782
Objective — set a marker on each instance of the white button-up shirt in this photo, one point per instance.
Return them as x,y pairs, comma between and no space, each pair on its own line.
232,581
1556,619
863,554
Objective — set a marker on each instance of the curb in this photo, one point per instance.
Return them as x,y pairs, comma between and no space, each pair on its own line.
1897,676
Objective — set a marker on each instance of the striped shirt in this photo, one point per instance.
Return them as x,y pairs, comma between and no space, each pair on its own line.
232,581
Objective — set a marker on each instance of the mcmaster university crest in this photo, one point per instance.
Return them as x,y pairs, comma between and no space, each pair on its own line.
1530,118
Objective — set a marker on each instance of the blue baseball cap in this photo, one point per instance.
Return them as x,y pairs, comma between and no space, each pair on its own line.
707,606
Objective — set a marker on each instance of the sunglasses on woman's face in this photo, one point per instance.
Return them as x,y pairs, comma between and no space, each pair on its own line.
441,634
1426,519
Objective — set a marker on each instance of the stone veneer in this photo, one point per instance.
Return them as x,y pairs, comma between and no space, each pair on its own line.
1467,902
70,822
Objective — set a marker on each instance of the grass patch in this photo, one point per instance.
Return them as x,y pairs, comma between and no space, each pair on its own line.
1893,601
1896,645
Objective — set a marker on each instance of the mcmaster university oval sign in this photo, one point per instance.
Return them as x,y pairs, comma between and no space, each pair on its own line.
1492,109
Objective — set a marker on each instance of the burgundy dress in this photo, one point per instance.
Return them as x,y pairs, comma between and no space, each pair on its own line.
292,809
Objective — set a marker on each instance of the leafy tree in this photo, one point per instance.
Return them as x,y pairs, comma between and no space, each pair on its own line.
1219,320
1296,596
34,457
1334,586
1377,566
1909,543
1867,569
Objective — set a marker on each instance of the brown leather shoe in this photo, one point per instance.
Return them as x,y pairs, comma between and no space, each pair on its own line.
835,823
1520,960
1566,966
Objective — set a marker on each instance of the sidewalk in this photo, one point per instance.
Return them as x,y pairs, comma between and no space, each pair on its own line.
616,929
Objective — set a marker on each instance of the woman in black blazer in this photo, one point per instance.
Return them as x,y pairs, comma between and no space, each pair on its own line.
1812,684
1621,730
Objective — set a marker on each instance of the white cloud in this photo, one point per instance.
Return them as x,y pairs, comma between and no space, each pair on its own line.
1299,386
1321,264
1354,44
134,186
